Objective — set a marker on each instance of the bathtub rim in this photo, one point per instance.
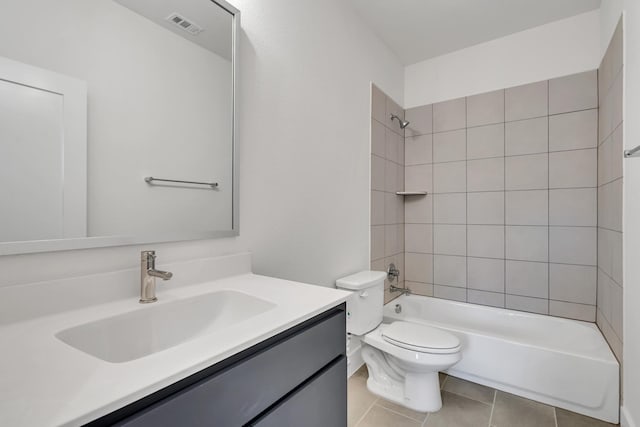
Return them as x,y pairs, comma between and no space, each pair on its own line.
609,357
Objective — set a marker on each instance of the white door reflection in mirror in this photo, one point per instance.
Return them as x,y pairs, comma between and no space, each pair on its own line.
42,116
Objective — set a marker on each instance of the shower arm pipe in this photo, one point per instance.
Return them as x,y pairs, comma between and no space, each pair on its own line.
403,123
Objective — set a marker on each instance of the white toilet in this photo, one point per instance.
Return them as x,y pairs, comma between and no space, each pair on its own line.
403,358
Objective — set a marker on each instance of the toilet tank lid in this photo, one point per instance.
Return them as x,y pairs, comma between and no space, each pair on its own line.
361,280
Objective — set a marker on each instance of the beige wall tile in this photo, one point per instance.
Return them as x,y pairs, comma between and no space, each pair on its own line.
450,177
485,241
420,120
574,207
419,267
418,178
531,305
450,208
377,242
418,238
526,243
573,245
571,310
450,270
486,208
486,108
529,172
527,101
450,293
486,274
485,174
485,298
418,150
449,115
418,209
378,138
574,92
450,239
527,279
378,104
450,146
573,169
573,283
485,141
573,131
377,208
527,207
527,136
377,173
425,289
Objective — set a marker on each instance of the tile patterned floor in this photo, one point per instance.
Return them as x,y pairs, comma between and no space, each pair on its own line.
464,404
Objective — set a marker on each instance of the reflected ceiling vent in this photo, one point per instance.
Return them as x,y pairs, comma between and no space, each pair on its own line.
182,22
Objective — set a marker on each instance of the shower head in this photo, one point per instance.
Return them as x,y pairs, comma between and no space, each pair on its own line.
403,123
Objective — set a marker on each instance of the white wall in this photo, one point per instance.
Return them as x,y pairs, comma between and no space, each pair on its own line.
611,11
306,72
182,119
304,150
560,48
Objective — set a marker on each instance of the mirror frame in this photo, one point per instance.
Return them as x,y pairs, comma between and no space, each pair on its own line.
35,246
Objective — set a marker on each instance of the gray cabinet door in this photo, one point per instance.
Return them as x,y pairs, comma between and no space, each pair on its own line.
240,393
321,402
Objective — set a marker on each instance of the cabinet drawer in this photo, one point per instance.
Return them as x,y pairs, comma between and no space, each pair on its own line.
241,392
321,402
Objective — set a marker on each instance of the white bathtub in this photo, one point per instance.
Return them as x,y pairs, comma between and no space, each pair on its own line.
560,362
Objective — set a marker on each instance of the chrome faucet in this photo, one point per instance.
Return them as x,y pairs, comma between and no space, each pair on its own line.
403,291
392,274
148,274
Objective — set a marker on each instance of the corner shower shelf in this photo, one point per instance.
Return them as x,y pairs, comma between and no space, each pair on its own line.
411,193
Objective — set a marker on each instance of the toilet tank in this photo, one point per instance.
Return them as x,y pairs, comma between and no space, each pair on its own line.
364,307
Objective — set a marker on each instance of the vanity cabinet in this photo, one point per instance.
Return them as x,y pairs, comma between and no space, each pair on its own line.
296,378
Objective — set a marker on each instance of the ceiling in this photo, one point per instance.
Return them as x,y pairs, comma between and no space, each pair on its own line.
421,29
215,21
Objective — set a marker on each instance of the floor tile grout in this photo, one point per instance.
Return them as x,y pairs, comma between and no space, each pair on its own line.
555,416
424,423
395,412
493,407
367,411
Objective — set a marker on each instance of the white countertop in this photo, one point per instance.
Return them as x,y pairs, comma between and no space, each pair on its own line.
45,382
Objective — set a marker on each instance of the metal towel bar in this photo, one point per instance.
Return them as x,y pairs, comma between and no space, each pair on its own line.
630,153
150,180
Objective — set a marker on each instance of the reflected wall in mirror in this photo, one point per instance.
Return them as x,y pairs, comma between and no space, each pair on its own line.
96,96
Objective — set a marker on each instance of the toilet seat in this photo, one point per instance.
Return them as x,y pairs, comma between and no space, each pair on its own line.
420,338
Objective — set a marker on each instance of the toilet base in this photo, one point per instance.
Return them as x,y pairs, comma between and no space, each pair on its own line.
419,391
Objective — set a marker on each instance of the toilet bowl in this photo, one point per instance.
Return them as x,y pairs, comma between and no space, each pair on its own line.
403,358
406,372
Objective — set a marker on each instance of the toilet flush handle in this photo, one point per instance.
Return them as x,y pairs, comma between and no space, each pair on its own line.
364,294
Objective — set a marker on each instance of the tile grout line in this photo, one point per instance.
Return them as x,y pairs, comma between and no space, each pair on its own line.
493,407
395,412
549,202
504,203
466,196
555,416
433,206
366,412
475,159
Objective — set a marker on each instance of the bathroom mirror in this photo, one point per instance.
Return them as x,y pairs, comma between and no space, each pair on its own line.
117,123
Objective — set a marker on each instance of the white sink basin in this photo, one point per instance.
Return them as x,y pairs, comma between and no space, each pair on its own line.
152,329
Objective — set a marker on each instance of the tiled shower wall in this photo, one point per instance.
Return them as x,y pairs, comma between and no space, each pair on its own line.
510,219
610,155
387,177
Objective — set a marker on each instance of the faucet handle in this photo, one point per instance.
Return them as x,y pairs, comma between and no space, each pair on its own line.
148,256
